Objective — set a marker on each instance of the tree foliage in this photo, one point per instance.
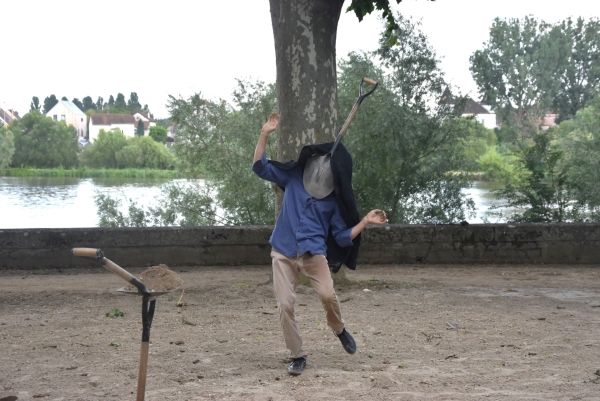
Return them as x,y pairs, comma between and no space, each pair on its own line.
544,194
43,143
102,154
364,7
405,142
529,67
113,149
88,104
579,138
144,152
158,133
217,141
515,72
49,103
35,104
7,147
139,131
578,75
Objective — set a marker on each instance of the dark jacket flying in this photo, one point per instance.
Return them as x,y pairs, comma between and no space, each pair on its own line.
341,167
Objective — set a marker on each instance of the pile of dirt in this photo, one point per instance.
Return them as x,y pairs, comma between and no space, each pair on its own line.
158,278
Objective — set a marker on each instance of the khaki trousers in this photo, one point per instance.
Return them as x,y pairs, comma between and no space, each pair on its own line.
285,278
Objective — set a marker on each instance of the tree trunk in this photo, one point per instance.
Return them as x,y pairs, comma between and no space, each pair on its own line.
305,38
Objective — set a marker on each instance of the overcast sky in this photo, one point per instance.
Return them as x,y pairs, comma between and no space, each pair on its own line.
156,48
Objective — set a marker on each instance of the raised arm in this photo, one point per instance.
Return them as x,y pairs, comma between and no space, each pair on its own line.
266,130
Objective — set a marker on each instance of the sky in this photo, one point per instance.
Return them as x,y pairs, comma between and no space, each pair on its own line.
161,48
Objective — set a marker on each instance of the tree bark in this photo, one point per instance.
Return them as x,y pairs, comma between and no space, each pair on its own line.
305,37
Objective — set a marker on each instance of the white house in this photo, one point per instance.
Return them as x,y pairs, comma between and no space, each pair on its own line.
147,120
69,113
125,122
7,116
480,111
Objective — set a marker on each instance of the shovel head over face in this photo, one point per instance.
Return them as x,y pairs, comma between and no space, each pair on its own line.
318,177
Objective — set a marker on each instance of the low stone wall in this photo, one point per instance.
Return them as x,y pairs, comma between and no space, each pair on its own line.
248,245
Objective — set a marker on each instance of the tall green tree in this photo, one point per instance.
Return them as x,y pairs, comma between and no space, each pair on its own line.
88,104
120,101
100,103
49,103
7,147
35,104
307,81
133,103
43,143
579,138
111,101
515,72
140,128
578,75
405,142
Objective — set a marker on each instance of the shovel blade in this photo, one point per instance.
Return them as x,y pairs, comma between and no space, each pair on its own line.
318,177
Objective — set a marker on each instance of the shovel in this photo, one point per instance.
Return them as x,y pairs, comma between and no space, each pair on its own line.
148,305
318,178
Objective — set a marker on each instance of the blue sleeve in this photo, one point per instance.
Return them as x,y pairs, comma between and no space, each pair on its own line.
341,232
267,171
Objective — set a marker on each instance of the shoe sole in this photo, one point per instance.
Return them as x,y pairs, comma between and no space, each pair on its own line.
294,373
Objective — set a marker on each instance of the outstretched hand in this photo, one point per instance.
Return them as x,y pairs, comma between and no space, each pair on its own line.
271,124
376,216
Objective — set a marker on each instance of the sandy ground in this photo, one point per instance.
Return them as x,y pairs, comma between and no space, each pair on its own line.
526,333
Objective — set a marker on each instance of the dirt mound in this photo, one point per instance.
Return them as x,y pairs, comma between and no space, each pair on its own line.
158,278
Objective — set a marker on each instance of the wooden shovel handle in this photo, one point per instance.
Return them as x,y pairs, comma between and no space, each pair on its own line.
370,81
86,252
108,264
118,270
141,387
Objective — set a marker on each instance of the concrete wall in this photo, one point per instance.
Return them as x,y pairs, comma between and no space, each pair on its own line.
248,245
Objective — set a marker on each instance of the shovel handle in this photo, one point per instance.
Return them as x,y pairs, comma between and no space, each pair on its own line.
354,110
118,270
86,252
98,256
370,81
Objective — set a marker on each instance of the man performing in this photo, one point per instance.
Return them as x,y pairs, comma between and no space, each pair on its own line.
300,245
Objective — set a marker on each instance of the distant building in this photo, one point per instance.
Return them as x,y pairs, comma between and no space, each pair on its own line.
548,120
171,134
482,112
147,120
107,122
69,113
7,116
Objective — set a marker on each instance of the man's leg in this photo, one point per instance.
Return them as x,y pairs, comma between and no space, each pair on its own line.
285,278
317,270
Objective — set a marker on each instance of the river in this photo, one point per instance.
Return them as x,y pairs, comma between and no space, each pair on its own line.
64,202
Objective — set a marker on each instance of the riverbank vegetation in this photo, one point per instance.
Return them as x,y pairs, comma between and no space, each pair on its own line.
36,143
413,151
85,172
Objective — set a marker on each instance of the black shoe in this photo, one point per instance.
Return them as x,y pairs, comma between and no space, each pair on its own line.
347,341
297,366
